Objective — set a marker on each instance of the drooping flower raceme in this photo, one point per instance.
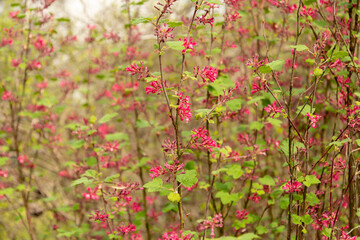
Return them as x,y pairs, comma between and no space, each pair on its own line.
216,221
188,44
153,87
273,109
205,140
294,187
209,73
184,108
140,72
313,118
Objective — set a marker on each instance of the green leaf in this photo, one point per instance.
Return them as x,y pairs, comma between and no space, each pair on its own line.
284,202
169,206
311,180
234,104
312,199
307,219
256,125
3,160
267,180
235,171
7,191
358,212
91,161
90,173
174,197
176,45
188,179
174,24
156,185
215,2
265,69
136,21
274,122
276,65
248,236
339,55
111,178
318,72
223,82
327,232
116,137
63,19
307,109
107,117
295,219
83,180
76,143
227,198
225,238
299,47
261,230
142,123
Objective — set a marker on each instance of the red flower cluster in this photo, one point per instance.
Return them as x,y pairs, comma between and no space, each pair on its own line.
153,87
91,194
294,187
99,216
209,73
184,108
205,140
313,119
140,72
188,44
273,109
216,221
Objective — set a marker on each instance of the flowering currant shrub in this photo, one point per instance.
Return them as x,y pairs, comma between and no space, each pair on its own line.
180,119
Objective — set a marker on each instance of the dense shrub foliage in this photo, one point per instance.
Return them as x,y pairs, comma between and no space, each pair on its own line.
181,119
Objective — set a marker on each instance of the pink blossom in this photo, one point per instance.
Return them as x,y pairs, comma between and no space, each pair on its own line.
313,119
273,109
294,187
8,96
209,73
14,14
255,197
216,221
42,85
113,36
156,171
6,41
136,207
68,85
164,32
305,12
345,236
174,235
153,87
34,65
112,147
3,173
91,194
184,108
205,140
188,44
39,43
99,216
255,88
15,63
141,72
241,214
205,20
126,229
